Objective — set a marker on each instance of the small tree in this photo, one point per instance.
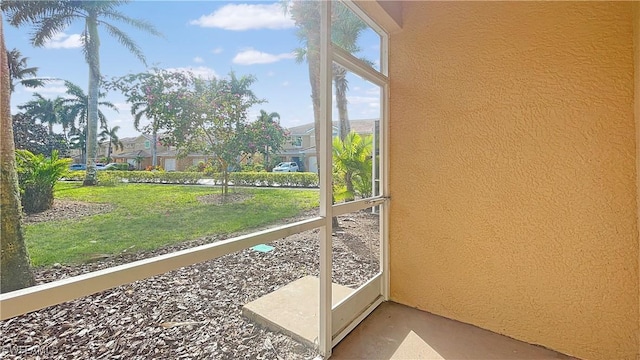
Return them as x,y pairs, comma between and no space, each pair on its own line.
37,176
214,121
156,95
267,134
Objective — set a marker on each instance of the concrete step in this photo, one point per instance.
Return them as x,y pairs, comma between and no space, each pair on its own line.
293,309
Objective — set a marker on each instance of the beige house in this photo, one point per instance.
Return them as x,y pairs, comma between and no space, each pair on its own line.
138,152
301,145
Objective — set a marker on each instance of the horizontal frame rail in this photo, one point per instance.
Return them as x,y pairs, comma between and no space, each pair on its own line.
40,296
353,206
358,66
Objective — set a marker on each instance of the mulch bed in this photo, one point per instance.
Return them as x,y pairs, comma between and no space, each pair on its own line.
193,312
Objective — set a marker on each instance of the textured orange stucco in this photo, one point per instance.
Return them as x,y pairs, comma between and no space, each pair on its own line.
513,170
636,51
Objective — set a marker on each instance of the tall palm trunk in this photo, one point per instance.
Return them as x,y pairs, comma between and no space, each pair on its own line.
15,272
340,81
313,60
92,116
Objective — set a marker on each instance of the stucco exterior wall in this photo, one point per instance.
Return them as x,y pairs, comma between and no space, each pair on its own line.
513,170
636,51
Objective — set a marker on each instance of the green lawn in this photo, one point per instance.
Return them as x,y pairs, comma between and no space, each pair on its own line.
151,216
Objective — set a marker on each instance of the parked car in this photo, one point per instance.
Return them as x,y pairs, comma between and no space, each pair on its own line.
116,166
75,167
287,166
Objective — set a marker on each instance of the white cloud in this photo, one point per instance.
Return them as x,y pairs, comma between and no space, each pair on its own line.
271,73
200,71
64,41
286,83
370,101
217,50
251,56
198,59
373,91
241,17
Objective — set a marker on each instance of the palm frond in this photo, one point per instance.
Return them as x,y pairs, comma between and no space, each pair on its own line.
33,83
126,41
20,12
136,23
300,55
47,27
108,104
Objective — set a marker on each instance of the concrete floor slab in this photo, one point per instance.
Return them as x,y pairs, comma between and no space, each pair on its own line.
293,309
394,331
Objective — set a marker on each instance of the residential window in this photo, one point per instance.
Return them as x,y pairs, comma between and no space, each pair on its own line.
296,141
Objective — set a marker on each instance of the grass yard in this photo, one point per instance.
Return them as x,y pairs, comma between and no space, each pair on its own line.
148,216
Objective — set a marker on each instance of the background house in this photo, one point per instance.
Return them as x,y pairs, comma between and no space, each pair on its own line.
301,148
138,152
135,151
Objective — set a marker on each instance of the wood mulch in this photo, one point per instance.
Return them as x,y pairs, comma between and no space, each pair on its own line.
190,313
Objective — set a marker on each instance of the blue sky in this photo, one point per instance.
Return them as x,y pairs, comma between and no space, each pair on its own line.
210,38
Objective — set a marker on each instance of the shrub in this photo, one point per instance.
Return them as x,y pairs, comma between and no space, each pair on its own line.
36,176
294,179
109,178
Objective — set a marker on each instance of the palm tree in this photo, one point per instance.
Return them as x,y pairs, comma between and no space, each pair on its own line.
346,27
306,15
38,175
15,272
271,133
352,159
77,105
45,110
18,70
52,17
78,140
138,110
110,134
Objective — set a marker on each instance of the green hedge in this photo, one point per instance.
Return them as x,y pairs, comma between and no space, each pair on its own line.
295,179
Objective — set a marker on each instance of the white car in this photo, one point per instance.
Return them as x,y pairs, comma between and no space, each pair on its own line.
286,167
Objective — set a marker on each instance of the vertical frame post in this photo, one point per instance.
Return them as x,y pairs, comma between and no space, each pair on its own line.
384,170
326,189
